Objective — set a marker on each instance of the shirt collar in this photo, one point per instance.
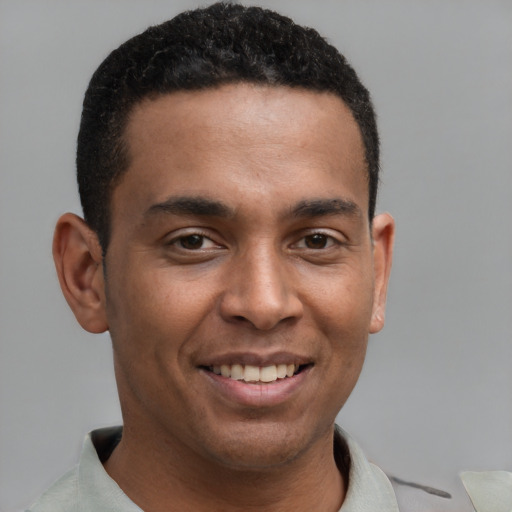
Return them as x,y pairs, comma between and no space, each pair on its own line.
97,491
368,487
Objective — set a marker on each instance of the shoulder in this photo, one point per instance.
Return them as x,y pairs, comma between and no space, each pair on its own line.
490,491
370,488
87,487
62,496
487,491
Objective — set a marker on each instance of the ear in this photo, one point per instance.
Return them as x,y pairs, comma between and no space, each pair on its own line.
383,233
78,259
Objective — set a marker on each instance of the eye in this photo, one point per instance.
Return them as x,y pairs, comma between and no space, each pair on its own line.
194,242
316,241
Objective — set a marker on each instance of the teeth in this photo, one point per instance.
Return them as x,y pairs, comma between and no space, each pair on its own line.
281,370
250,373
268,374
237,372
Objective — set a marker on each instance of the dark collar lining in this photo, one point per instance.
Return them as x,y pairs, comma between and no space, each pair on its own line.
105,441
341,455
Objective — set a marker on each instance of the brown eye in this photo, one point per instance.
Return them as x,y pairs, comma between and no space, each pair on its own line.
316,241
191,242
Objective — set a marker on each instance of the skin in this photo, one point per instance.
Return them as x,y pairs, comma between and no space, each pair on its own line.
240,233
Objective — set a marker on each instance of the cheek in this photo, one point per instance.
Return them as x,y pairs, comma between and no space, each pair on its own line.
344,314
345,303
151,311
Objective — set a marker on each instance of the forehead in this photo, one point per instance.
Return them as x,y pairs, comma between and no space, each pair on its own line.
247,134
242,106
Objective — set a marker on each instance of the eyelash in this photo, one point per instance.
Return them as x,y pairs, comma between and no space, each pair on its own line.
330,241
176,240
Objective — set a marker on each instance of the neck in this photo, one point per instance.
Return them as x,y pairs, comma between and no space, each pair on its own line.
165,476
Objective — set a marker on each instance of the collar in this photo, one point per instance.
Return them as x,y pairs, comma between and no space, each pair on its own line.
96,490
368,487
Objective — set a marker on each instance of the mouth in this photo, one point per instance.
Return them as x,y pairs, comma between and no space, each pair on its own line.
258,374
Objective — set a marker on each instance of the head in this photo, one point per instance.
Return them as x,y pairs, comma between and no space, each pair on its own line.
227,165
204,49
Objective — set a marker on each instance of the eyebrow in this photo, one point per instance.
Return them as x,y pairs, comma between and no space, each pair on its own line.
322,207
184,205
201,206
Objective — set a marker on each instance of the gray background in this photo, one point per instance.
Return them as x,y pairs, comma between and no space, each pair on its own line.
435,396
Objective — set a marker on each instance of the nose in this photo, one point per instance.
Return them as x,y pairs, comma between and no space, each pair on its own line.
260,291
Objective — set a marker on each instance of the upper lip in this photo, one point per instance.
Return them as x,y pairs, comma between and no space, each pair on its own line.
256,359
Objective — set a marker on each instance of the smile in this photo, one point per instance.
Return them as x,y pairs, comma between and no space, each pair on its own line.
257,374
253,381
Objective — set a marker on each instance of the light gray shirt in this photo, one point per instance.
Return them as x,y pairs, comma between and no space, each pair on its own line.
89,488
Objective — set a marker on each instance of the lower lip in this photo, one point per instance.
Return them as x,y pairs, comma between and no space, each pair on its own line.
257,395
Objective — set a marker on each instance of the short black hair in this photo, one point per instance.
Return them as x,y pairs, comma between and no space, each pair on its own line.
200,49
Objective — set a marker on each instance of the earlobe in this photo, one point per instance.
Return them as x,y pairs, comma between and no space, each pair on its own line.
383,232
78,261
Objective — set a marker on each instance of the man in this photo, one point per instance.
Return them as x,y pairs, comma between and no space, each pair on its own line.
227,164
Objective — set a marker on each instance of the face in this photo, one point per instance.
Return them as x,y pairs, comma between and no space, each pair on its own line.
240,276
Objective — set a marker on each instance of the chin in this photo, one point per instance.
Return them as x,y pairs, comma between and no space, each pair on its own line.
260,447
